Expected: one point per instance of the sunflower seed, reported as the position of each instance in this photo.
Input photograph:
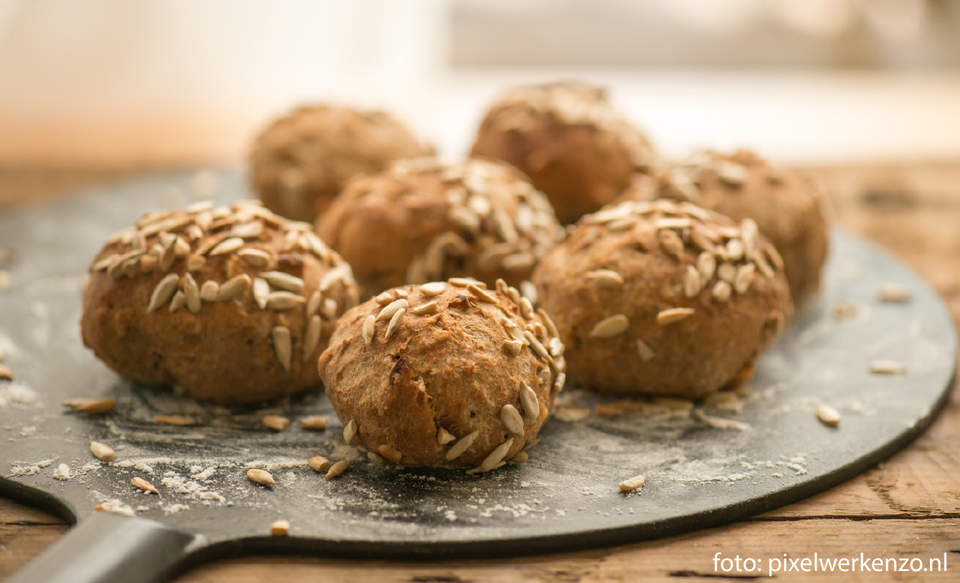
(179, 299)
(195, 262)
(274, 422)
(482, 294)
(529, 291)
(256, 258)
(734, 250)
(163, 292)
(228, 245)
(692, 283)
(433, 288)
(191, 293)
(461, 445)
(727, 272)
(671, 243)
(520, 458)
(262, 477)
(548, 322)
(368, 327)
(706, 265)
(731, 173)
(144, 485)
(513, 347)
(644, 351)
(774, 256)
(828, 415)
(610, 327)
(526, 308)
(340, 273)
(283, 300)
(633, 484)
(318, 463)
(282, 346)
(329, 309)
(147, 263)
(312, 337)
(102, 451)
(384, 298)
(891, 292)
(284, 281)
(5, 373)
(887, 367)
(530, 403)
(671, 315)
(180, 247)
(337, 469)
(279, 527)
(427, 308)
(444, 437)
(314, 423)
(463, 281)
(748, 233)
(496, 456)
(350, 431)
(741, 283)
(209, 291)
(721, 291)
(391, 453)
(605, 277)
(390, 309)
(511, 419)
(234, 288)
(672, 223)
(250, 230)
(261, 292)
(537, 346)
(313, 304)
(560, 381)
(393, 323)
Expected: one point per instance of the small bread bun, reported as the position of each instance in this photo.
(788, 207)
(444, 374)
(663, 298)
(423, 220)
(301, 161)
(569, 140)
(230, 304)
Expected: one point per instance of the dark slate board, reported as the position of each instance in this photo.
(566, 496)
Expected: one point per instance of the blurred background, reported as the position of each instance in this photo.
(100, 83)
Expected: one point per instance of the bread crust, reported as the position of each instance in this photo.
(569, 140)
(212, 339)
(444, 367)
(300, 162)
(651, 297)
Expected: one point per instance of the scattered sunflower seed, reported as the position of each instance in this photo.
(349, 432)
(262, 477)
(144, 485)
(102, 451)
(461, 445)
(391, 453)
(5, 373)
(314, 423)
(318, 463)
(178, 420)
(92, 406)
(633, 484)
(828, 415)
(671, 315)
(275, 422)
(892, 292)
(887, 367)
(368, 328)
(280, 527)
(610, 327)
(337, 469)
(520, 458)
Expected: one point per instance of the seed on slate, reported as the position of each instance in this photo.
(318, 463)
(496, 456)
(209, 291)
(610, 327)
(144, 485)
(261, 292)
(191, 293)
(163, 291)
(275, 422)
(102, 451)
(391, 453)
(368, 327)
(91, 406)
(530, 403)
(234, 287)
(671, 315)
(828, 415)
(5, 373)
(721, 291)
(314, 423)
(433, 288)
(262, 477)
(633, 484)
(284, 281)
(444, 437)
(511, 419)
(349, 431)
(741, 283)
(228, 245)
(195, 262)
(393, 323)
(520, 458)
(312, 337)
(279, 527)
(282, 345)
(256, 258)
(427, 308)
(706, 265)
(891, 292)
(692, 283)
(178, 420)
(283, 300)
(887, 367)
(337, 469)
(461, 445)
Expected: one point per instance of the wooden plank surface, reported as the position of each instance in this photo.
(907, 507)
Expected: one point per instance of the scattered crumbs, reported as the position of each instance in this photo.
(174, 508)
(191, 488)
(29, 469)
(777, 475)
(524, 484)
(844, 310)
(632, 484)
(18, 393)
(62, 472)
(142, 467)
(276, 464)
(450, 515)
(570, 413)
(720, 422)
(115, 506)
(894, 292)
(203, 475)
(4, 279)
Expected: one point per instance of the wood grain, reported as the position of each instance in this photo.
(908, 506)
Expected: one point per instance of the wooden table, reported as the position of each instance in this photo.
(907, 507)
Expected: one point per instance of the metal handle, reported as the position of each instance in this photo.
(109, 548)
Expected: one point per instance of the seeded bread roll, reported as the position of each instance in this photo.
(569, 140)
(788, 207)
(444, 374)
(301, 161)
(422, 220)
(663, 298)
(232, 305)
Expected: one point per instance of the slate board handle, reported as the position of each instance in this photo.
(109, 548)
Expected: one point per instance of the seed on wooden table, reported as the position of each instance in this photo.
(633, 484)
(530, 403)
(671, 315)
(368, 328)
(318, 463)
(887, 367)
(144, 485)
(163, 291)
(511, 419)
(209, 291)
(337, 469)
(741, 283)
(496, 456)
(261, 477)
(692, 283)
(462, 444)
(178, 420)
(312, 337)
(228, 245)
(828, 415)
(234, 287)
(391, 453)
(280, 527)
(349, 431)
(433, 288)
(721, 291)
(644, 351)
(275, 422)
(444, 437)
(610, 327)
(891, 292)
(282, 345)
(284, 281)
(91, 406)
(5, 373)
(314, 423)
(102, 451)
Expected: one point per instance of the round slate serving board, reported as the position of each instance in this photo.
(705, 464)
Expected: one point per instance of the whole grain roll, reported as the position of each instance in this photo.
(301, 161)
(788, 207)
(661, 297)
(571, 142)
(424, 220)
(444, 374)
(230, 304)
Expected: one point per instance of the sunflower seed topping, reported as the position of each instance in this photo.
(828, 415)
(228, 245)
(692, 282)
(461, 445)
(433, 288)
(721, 291)
(262, 477)
(513, 347)
(425, 308)
(234, 288)
(391, 453)
(283, 300)
(250, 230)
(390, 309)
(530, 403)
(605, 277)
(194, 262)
(706, 265)
(163, 292)
(633, 484)
(727, 272)
(284, 281)
(744, 277)
(349, 432)
(511, 419)
(610, 327)
(102, 451)
(282, 346)
(392, 325)
(256, 258)
(444, 437)
(368, 327)
(496, 456)
(261, 292)
(671, 315)
(312, 337)
(191, 293)
(482, 294)
(178, 301)
(462, 281)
